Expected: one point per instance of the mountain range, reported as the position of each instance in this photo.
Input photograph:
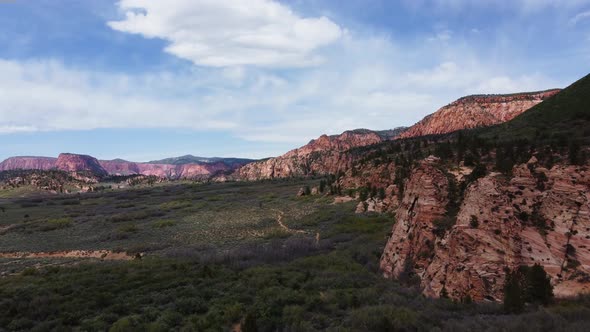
(319, 156)
(171, 168)
(482, 186)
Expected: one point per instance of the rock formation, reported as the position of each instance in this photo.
(69, 162)
(40, 163)
(81, 163)
(477, 111)
(320, 156)
(539, 216)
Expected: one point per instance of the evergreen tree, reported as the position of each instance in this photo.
(513, 301)
(574, 153)
(539, 289)
(381, 193)
(250, 323)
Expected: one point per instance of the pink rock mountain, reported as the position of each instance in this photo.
(79, 163)
(82, 163)
(322, 155)
(477, 111)
(325, 154)
(498, 227)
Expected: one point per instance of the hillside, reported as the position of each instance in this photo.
(477, 111)
(566, 114)
(187, 167)
(323, 155)
(190, 159)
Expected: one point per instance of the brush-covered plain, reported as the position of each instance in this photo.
(217, 258)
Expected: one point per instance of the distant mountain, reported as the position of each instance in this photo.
(477, 111)
(28, 162)
(171, 168)
(391, 133)
(320, 156)
(70, 162)
(190, 159)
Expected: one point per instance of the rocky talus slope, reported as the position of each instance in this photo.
(477, 111)
(538, 216)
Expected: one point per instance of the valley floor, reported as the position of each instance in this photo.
(215, 257)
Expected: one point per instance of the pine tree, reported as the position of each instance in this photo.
(513, 299)
(250, 323)
(539, 289)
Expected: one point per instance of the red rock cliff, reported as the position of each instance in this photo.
(322, 155)
(79, 163)
(476, 111)
(501, 224)
(14, 163)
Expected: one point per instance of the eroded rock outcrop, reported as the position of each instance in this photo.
(39, 163)
(320, 156)
(82, 163)
(538, 216)
(69, 162)
(477, 111)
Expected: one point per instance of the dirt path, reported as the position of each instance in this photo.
(285, 227)
(106, 255)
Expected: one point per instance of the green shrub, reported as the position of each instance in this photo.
(164, 223)
(53, 224)
(131, 228)
(277, 233)
(175, 205)
(473, 222)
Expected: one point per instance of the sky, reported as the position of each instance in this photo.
(148, 79)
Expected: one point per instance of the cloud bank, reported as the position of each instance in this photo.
(230, 33)
(258, 72)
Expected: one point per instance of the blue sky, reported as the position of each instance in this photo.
(147, 79)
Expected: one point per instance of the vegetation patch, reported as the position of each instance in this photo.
(59, 223)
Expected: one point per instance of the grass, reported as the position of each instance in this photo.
(53, 224)
(293, 283)
(169, 217)
(164, 223)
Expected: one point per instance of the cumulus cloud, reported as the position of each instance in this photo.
(230, 33)
(368, 80)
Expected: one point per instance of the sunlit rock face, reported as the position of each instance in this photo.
(538, 216)
(40, 163)
(320, 156)
(476, 111)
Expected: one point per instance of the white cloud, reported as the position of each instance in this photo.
(45, 95)
(580, 17)
(230, 33)
(367, 81)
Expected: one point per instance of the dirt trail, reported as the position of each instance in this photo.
(285, 227)
(93, 254)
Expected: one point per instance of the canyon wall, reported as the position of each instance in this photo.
(538, 216)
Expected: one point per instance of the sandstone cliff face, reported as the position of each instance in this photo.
(120, 167)
(539, 216)
(82, 163)
(412, 239)
(476, 111)
(69, 162)
(40, 163)
(187, 171)
(321, 156)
